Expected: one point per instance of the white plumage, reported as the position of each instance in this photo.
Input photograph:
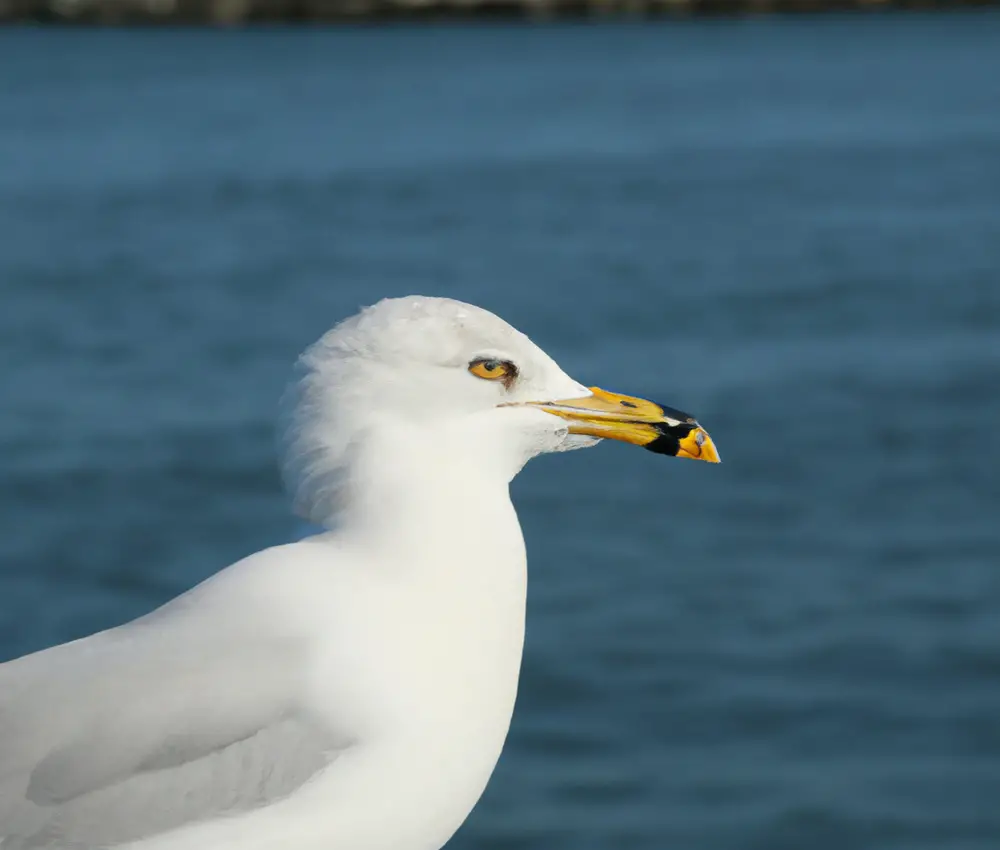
(351, 691)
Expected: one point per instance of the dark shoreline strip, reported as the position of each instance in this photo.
(229, 12)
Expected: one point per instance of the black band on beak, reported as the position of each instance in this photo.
(668, 441)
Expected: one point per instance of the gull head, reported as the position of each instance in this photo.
(444, 378)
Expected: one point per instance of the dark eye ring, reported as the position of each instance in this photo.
(492, 369)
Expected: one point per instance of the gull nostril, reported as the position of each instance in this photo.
(628, 404)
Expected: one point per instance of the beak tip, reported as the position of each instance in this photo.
(697, 445)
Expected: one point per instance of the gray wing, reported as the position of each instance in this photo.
(168, 720)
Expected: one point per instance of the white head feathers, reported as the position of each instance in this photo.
(405, 363)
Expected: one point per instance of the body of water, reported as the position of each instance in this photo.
(790, 227)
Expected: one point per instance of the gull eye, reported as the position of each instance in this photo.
(491, 369)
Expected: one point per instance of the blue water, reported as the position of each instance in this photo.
(789, 227)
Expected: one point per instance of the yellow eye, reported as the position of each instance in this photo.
(492, 370)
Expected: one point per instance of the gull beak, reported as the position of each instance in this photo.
(634, 420)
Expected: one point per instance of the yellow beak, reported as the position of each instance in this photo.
(634, 420)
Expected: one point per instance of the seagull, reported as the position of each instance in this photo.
(352, 690)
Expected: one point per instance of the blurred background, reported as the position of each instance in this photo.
(788, 225)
